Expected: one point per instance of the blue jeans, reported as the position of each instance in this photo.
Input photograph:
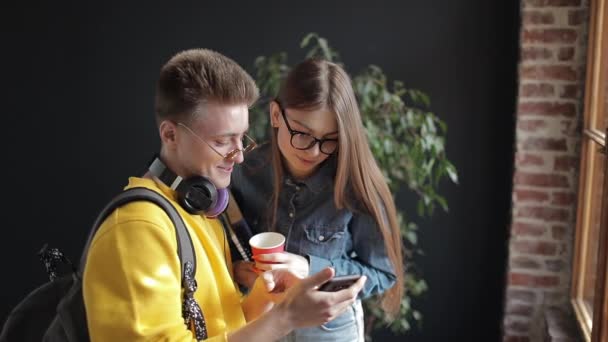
(347, 327)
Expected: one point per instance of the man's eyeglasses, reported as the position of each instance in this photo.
(304, 141)
(246, 141)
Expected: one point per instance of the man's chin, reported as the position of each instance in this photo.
(222, 183)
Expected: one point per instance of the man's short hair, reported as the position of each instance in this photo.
(196, 76)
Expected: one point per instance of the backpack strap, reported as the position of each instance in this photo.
(185, 249)
(191, 311)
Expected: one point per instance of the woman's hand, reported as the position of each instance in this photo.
(245, 273)
(296, 264)
(272, 285)
(267, 290)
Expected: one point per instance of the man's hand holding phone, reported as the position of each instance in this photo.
(304, 305)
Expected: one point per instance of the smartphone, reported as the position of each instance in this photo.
(339, 283)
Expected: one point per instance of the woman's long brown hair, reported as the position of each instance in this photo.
(318, 84)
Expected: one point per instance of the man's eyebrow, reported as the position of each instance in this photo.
(308, 128)
(229, 134)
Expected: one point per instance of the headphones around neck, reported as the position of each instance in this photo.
(197, 195)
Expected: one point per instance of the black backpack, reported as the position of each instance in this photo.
(55, 311)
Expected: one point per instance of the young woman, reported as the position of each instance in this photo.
(318, 184)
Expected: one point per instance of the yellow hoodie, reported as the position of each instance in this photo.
(132, 279)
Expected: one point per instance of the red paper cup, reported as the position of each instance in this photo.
(266, 243)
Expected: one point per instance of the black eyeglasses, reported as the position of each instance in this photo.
(304, 141)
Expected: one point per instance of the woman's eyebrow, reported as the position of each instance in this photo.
(308, 128)
(331, 133)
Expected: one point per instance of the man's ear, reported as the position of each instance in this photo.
(275, 114)
(168, 133)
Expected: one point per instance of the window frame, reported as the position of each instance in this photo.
(594, 324)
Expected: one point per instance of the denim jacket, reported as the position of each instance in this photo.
(350, 242)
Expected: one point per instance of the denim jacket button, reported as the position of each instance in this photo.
(291, 215)
(321, 237)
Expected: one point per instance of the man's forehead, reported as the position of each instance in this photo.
(219, 118)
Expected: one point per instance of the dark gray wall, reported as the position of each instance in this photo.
(77, 111)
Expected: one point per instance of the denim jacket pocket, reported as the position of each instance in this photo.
(323, 241)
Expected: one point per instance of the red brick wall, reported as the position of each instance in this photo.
(553, 43)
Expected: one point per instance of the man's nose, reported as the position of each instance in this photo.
(239, 157)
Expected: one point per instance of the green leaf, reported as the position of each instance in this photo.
(451, 170)
(442, 202)
(323, 45)
(430, 124)
(420, 208)
(306, 40)
(425, 99)
(412, 237)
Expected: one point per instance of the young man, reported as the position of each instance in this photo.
(132, 280)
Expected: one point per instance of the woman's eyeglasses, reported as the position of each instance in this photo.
(304, 141)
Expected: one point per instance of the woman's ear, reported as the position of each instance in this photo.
(275, 114)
